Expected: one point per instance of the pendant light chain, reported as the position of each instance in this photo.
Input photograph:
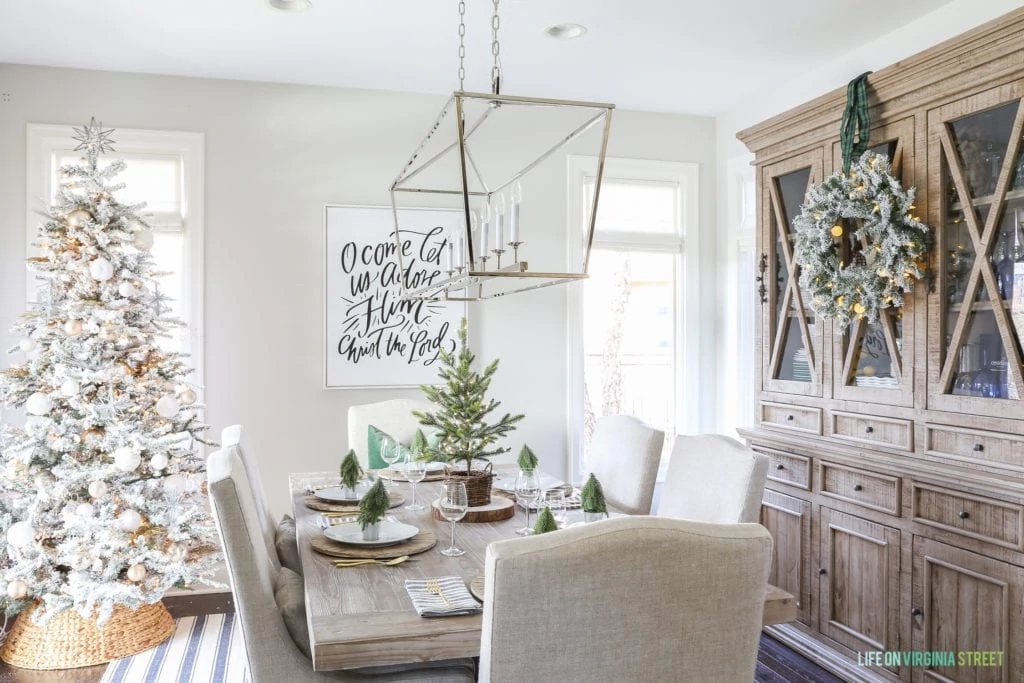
(462, 44)
(496, 51)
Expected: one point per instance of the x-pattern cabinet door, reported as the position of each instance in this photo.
(791, 340)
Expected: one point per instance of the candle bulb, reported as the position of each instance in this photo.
(499, 221)
(449, 256)
(485, 227)
(513, 227)
(460, 259)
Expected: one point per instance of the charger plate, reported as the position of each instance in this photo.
(314, 503)
(421, 542)
(476, 587)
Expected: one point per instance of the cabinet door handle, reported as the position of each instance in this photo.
(858, 487)
(822, 572)
(916, 612)
(964, 514)
(789, 418)
(869, 429)
(979, 447)
(780, 466)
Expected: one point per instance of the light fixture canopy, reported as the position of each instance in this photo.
(566, 31)
(481, 147)
(291, 5)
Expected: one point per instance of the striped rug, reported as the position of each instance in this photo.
(203, 649)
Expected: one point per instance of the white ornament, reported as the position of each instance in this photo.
(158, 461)
(101, 270)
(187, 397)
(38, 404)
(27, 345)
(143, 239)
(174, 485)
(21, 535)
(78, 218)
(125, 289)
(177, 553)
(17, 589)
(126, 459)
(129, 520)
(167, 406)
(136, 572)
(73, 327)
(84, 511)
(70, 388)
(98, 489)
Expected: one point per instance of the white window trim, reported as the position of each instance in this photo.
(46, 140)
(687, 301)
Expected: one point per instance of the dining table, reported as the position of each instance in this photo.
(362, 616)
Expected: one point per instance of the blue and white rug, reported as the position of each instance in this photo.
(204, 649)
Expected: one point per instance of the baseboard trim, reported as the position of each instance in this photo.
(825, 657)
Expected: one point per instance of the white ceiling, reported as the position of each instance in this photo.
(661, 55)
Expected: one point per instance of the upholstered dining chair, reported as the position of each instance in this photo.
(713, 478)
(624, 455)
(626, 599)
(269, 602)
(279, 537)
(393, 417)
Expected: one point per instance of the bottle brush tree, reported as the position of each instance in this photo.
(527, 459)
(592, 496)
(350, 470)
(545, 522)
(374, 505)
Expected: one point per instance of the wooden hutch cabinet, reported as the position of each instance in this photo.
(896, 484)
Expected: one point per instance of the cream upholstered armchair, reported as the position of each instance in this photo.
(269, 603)
(624, 455)
(713, 478)
(394, 417)
(626, 599)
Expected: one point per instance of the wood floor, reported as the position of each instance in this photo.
(775, 662)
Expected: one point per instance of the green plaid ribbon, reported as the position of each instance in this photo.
(856, 121)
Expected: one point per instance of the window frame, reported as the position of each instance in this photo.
(45, 142)
(685, 244)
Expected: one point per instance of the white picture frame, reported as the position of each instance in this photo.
(372, 339)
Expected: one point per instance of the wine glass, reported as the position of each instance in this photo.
(415, 471)
(527, 491)
(389, 452)
(453, 504)
(554, 500)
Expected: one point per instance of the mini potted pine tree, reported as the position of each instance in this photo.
(592, 500)
(545, 522)
(372, 508)
(461, 420)
(350, 472)
(527, 459)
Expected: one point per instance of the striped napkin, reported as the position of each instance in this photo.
(429, 604)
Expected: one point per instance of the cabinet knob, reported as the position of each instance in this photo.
(916, 611)
(780, 466)
(789, 418)
(964, 514)
(869, 429)
(979, 447)
(858, 487)
(822, 572)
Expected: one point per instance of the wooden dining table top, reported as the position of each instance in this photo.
(362, 616)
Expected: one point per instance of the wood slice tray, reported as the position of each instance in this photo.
(421, 542)
(439, 475)
(499, 510)
(314, 503)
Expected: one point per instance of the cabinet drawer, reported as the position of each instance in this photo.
(983, 518)
(884, 431)
(788, 468)
(975, 445)
(791, 418)
(876, 491)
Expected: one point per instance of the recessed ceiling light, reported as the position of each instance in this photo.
(290, 5)
(565, 31)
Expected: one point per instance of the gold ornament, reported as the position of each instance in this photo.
(837, 231)
(187, 397)
(17, 589)
(78, 218)
(136, 572)
(92, 435)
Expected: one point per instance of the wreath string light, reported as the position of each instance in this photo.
(867, 216)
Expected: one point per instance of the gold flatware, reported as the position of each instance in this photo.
(358, 563)
(435, 588)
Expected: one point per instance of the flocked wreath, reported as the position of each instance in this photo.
(872, 204)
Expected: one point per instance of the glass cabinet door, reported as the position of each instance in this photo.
(978, 307)
(869, 358)
(790, 338)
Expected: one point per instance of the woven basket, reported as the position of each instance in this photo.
(478, 484)
(68, 641)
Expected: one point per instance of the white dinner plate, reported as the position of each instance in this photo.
(336, 494)
(352, 534)
(508, 482)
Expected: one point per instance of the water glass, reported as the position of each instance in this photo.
(555, 501)
(389, 452)
(415, 471)
(527, 492)
(453, 504)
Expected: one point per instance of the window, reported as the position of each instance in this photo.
(164, 169)
(628, 322)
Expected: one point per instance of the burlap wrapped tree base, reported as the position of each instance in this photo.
(68, 641)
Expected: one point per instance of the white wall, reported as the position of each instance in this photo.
(898, 43)
(274, 155)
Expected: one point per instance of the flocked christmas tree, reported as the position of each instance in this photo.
(461, 419)
(103, 482)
